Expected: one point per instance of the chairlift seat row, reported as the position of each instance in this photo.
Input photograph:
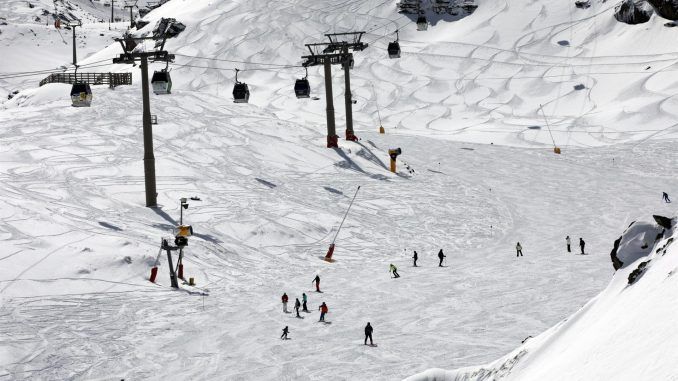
(81, 94)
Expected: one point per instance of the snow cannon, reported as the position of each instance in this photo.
(393, 153)
(330, 251)
(184, 230)
(154, 273)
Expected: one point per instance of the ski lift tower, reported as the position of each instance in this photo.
(338, 51)
(131, 5)
(73, 25)
(130, 56)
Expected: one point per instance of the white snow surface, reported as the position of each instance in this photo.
(622, 334)
(75, 301)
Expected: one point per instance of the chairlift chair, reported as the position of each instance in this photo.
(422, 23)
(161, 82)
(241, 93)
(302, 89)
(81, 94)
(394, 48)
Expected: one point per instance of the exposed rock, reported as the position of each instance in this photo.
(582, 4)
(667, 9)
(168, 28)
(633, 244)
(616, 263)
(662, 221)
(633, 12)
(141, 24)
(638, 272)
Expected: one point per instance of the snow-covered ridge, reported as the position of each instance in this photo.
(627, 332)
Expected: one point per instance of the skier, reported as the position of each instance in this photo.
(519, 250)
(415, 257)
(582, 244)
(567, 240)
(368, 333)
(666, 197)
(394, 270)
(317, 283)
(284, 300)
(441, 256)
(297, 304)
(285, 332)
(323, 310)
(304, 299)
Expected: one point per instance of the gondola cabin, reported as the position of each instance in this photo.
(422, 23)
(302, 89)
(161, 82)
(241, 93)
(81, 94)
(393, 49)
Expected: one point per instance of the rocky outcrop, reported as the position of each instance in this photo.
(633, 12)
(667, 9)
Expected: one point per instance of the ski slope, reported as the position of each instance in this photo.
(75, 299)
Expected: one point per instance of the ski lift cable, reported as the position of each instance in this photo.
(233, 61)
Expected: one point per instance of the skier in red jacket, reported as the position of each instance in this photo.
(323, 310)
(284, 301)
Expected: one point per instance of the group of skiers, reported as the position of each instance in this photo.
(322, 308)
(394, 270)
(582, 244)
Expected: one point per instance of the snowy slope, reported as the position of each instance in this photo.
(75, 300)
(625, 333)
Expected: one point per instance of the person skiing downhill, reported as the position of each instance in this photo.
(567, 240)
(415, 257)
(285, 332)
(284, 302)
(441, 256)
(297, 304)
(519, 250)
(304, 298)
(581, 245)
(394, 270)
(368, 333)
(323, 310)
(317, 283)
(665, 196)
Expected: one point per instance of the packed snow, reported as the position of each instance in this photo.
(476, 176)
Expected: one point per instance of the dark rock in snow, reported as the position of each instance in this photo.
(616, 263)
(141, 24)
(635, 274)
(662, 221)
(633, 12)
(168, 28)
(579, 87)
(582, 4)
(667, 9)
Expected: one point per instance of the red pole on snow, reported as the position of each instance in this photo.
(330, 251)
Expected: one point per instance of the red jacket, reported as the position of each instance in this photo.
(323, 308)
(284, 298)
